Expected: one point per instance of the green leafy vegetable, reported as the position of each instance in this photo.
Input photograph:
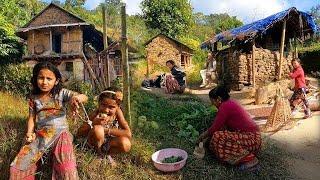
(172, 159)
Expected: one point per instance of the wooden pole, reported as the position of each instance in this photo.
(104, 19)
(68, 39)
(282, 48)
(105, 44)
(125, 65)
(50, 40)
(253, 63)
(295, 46)
(33, 42)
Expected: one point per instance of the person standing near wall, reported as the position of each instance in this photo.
(206, 74)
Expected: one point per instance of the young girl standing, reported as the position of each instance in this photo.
(47, 127)
(111, 133)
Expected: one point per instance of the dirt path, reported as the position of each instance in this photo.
(303, 141)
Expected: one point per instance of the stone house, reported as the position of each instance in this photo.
(161, 48)
(260, 52)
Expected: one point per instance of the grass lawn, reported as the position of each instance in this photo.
(157, 123)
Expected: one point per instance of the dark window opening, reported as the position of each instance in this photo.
(56, 43)
(69, 66)
(183, 61)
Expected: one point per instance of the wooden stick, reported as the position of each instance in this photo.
(125, 65)
(105, 45)
(253, 63)
(91, 73)
(33, 42)
(282, 47)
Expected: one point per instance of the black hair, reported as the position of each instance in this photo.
(296, 59)
(45, 65)
(110, 95)
(220, 91)
(171, 62)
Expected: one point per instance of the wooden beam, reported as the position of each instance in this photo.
(50, 37)
(282, 48)
(125, 65)
(32, 51)
(68, 40)
(253, 63)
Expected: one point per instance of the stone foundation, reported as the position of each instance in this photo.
(235, 67)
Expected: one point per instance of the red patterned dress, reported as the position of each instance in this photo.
(235, 138)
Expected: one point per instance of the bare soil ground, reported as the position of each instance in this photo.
(303, 141)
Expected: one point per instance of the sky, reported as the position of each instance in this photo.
(245, 10)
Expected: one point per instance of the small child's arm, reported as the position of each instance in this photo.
(79, 98)
(125, 131)
(30, 136)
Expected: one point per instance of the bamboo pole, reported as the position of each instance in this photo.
(125, 65)
(253, 63)
(105, 45)
(282, 48)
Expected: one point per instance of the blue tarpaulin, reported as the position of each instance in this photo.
(260, 27)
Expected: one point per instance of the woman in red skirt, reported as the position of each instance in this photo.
(233, 136)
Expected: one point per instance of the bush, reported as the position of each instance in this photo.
(16, 78)
(84, 88)
(198, 61)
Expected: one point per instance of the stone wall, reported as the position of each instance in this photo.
(161, 49)
(235, 68)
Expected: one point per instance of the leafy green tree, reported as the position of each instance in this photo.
(74, 3)
(17, 12)
(171, 17)
(10, 48)
(223, 22)
(315, 12)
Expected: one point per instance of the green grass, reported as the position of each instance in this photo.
(146, 140)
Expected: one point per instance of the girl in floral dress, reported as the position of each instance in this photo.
(47, 127)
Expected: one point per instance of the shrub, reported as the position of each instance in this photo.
(84, 88)
(15, 78)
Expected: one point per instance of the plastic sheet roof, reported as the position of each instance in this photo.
(250, 31)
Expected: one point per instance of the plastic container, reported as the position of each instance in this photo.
(158, 156)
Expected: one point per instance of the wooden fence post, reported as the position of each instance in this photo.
(282, 48)
(125, 65)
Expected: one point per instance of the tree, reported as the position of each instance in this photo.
(171, 17)
(10, 49)
(223, 22)
(315, 12)
(74, 3)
